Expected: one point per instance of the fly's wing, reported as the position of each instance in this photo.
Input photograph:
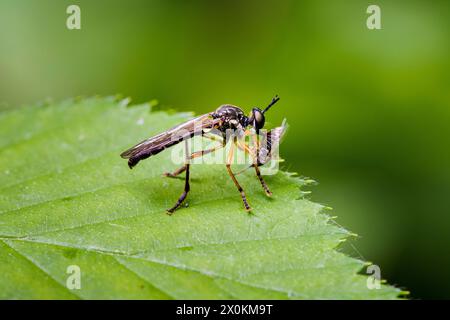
(270, 143)
(171, 137)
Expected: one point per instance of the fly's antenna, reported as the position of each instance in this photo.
(274, 100)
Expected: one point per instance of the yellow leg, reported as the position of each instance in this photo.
(238, 186)
(192, 156)
(246, 149)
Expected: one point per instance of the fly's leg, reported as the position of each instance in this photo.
(176, 172)
(214, 137)
(244, 147)
(261, 180)
(241, 191)
(186, 182)
(195, 155)
(186, 168)
(183, 195)
(201, 153)
(255, 165)
(238, 186)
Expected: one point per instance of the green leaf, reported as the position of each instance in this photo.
(67, 198)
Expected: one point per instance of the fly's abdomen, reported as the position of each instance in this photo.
(134, 160)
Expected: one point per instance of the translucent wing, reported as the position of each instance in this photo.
(270, 143)
(268, 147)
(169, 138)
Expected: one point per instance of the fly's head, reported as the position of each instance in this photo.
(233, 117)
(257, 119)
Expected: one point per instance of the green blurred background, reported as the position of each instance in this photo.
(369, 110)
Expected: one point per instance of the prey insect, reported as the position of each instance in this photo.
(216, 126)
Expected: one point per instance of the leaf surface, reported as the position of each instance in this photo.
(67, 198)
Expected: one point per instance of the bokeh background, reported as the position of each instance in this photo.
(369, 110)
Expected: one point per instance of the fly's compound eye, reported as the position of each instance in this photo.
(257, 118)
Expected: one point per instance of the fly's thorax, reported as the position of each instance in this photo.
(232, 117)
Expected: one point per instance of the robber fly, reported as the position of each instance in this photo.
(226, 117)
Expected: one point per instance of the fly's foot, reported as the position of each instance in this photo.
(175, 173)
(244, 200)
(172, 176)
(169, 175)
